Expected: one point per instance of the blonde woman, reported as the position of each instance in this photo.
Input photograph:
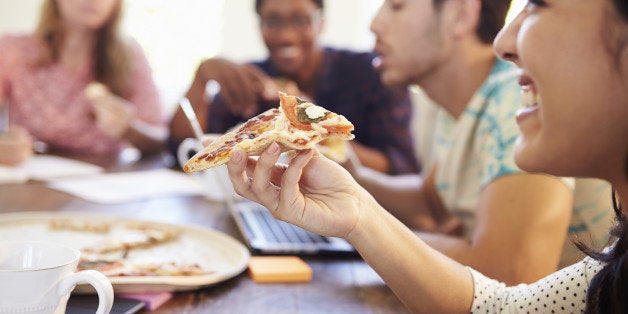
(77, 85)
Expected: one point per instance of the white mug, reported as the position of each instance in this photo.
(37, 277)
(216, 180)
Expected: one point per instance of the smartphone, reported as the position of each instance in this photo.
(87, 304)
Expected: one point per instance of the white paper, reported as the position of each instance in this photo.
(10, 175)
(130, 186)
(46, 167)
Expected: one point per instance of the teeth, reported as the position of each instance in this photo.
(529, 97)
(288, 52)
(377, 61)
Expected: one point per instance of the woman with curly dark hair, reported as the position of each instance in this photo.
(573, 61)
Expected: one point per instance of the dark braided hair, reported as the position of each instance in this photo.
(608, 291)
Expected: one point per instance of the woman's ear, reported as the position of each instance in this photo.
(461, 16)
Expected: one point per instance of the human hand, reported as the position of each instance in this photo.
(352, 162)
(16, 146)
(242, 86)
(113, 114)
(312, 192)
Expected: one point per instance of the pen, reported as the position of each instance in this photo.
(186, 106)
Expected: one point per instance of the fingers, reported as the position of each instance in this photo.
(242, 89)
(16, 146)
(292, 175)
(261, 185)
(236, 167)
(268, 180)
(113, 115)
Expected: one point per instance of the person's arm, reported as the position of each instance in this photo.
(180, 127)
(241, 88)
(407, 197)
(370, 157)
(333, 204)
(16, 146)
(137, 117)
(389, 135)
(521, 226)
(119, 119)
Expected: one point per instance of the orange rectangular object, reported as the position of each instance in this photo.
(278, 269)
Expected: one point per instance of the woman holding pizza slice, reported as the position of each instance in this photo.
(560, 134)
(77, 85)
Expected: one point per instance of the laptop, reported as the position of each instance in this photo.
(266, 235)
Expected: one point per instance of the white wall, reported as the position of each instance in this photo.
(18, 15)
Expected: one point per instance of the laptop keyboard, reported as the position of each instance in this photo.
(278, 231)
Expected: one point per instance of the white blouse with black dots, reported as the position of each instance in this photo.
(564, 291)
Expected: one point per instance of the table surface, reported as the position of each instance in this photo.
(339, 285)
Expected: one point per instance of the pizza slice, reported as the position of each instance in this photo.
(123, 267)
(335, 149)
(296, 124)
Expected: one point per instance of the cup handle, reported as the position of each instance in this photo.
(188, 145)
(97, 280)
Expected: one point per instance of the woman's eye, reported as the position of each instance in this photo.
(537, 3)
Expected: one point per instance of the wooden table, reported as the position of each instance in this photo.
(339, 285)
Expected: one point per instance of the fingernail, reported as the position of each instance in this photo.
(274, 148)
(236, 157)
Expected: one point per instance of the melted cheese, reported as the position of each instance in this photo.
(314, 112)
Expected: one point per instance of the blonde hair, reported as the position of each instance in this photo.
(111, 54)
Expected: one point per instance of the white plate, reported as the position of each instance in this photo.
(223, 255)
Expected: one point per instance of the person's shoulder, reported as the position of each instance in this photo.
(265, 65)
(133, 46)
(19, 41)
(351, 66)
(20, 49)
(342, 55)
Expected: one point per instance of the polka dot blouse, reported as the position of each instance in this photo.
(561, 292)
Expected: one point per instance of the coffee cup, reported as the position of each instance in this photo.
(37, 277)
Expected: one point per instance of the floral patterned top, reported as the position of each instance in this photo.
(49, 100)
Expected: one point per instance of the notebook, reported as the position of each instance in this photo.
(268, 236)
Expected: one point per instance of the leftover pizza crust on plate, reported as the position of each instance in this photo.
(136, 255)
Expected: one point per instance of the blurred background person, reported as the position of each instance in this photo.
(77, 85)
(480, 208)
(339, 80)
